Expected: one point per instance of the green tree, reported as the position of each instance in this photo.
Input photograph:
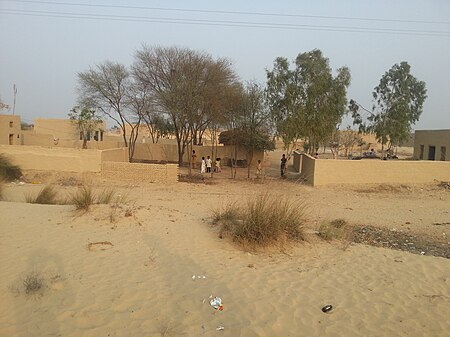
(398, 104)
(307, 102)
(252, 124)
(86, 122)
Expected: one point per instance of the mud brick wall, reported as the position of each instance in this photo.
(140, 173)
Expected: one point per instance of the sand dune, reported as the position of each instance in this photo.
(107, 274)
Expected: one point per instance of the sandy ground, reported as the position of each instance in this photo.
(128, 270)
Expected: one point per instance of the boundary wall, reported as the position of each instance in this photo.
(140, 173)
(113, 164)
(53, 159)
(322, 172)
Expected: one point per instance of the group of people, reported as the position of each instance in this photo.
(206, 165)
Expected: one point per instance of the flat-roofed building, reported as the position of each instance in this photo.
(432, 145)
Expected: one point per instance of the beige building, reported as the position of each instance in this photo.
(10, 130)
(432, 145)
(65, 129)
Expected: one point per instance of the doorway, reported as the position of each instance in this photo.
(431, 152)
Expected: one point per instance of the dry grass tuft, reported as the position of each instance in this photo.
(83, 198)
(337, 229)
(46, 196)
(106, 196)
(33, 282)
(2, 188)
(262, 221)
(8, 171)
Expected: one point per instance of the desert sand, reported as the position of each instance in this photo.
(148, 267)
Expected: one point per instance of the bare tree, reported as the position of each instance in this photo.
(107, 88)
(183, 83)
(3, 105)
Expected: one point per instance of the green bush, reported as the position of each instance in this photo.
(8, 171)
(262, 221)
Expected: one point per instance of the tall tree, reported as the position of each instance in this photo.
(182, 82)
(107, 88)
(398, 104)
(307, 102)
(252, 124)
(86, 121)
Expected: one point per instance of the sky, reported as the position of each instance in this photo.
(44, 44)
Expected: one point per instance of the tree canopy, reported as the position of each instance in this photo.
(398, 104)
(308, 101)
(86, 120)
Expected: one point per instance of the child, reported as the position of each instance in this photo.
(203, 166)
(208, 164)
(217, 168)
(258, 169)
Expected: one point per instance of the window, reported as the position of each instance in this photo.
(11, 124)
(88, 136)
(443, 152)
(101, 136)
(421, 152)
(96, 135)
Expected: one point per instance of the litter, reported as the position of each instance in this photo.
(198, 276)
(327, 308)
(216, 303)
(220, 328)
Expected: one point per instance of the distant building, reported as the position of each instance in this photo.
(65, 129)
(10, 130)
(432, 145)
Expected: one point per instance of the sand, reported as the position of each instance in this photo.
(128, 270)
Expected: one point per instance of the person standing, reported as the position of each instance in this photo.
(194, 159)
(283, 165)
(258, 169)
(203, 166)
(208, 164)
(218, 168)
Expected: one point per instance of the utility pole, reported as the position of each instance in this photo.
(14, 102)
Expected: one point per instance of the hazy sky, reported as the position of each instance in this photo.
(42, 54)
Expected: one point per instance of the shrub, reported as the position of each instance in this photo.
(32, 283)
(262, 221)
(2, 188)
(46, 196)
(8, 171)
(106, 196)
(83, 198)
(337, 229)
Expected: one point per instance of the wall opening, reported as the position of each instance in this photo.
(443, 152)
(431, 152)
(11, 139)
(11, 124)
(421, 152)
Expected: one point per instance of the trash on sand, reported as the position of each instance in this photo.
(219, 328)
(422, 253)
(327, 308)
(198, 276)
(216, 303)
